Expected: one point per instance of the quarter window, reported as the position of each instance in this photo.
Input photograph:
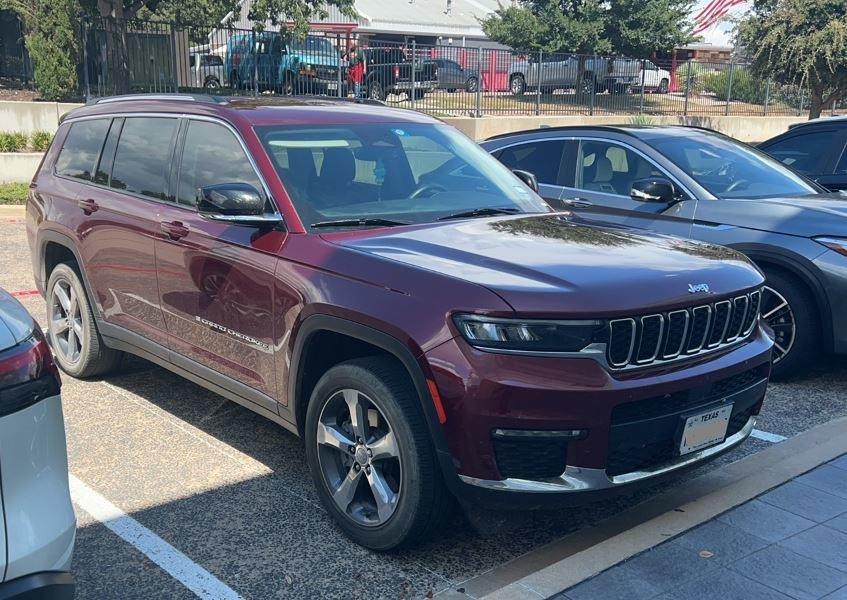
(79, 153)
(542, 159)
(142, 160)
(841, 169)
(211, 155)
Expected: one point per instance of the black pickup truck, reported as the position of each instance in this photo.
(389, 71)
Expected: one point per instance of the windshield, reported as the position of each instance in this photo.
(728, 170)
(313, 45)
(411, 173)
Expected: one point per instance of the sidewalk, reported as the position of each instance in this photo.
(790, 542)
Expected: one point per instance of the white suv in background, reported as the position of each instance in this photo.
(37, 523)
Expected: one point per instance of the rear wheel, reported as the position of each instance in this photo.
(472, 85)
(517, 85)
(788, 309)
(376, 91)
(370, 454)
(71, 328)
(664, 86)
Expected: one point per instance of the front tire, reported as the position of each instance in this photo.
(376, 91)
(371, 457)
(664, 86)
(71, 329)
(472, 85)
(789, 309)
(517, 85)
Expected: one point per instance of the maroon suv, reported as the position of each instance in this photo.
(373, 281)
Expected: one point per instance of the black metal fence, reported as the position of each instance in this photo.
(443, 80)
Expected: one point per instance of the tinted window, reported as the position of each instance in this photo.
(143, 157)
(543, 159)
(411, 172)
(802, 152)
(81, 149)
(104, 168)
(211, 155)
(841, 169)
(609, 168)
(211, 60)
(728, 169)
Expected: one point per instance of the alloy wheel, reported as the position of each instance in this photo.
(359, 458)
(66, 328)
(777, 313)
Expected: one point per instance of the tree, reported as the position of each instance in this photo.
(800, 42)
(52, 38)
(631, 27)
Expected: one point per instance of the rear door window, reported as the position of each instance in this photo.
(79, 154)
(542, 159)
(143, 157)
(211, 155)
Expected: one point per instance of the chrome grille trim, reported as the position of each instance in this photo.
(738, 309)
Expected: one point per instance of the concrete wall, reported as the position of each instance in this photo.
(18, 167)
(746, 129)
(32, 116)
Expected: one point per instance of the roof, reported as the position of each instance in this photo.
(628, 129)
(821, 121)
(410, 17)
(255, 111)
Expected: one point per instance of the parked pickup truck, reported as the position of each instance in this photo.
(562, 71)
(271, 62)
(389, 71)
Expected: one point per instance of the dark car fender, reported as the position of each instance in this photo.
(323, 322)
(802, 268)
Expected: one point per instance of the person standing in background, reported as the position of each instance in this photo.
(356, 69)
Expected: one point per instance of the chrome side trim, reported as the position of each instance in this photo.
(578, 479)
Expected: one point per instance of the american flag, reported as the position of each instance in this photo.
(712, 13)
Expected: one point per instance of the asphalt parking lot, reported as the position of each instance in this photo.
(218, 502)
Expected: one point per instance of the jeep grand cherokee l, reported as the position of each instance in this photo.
(375, 282)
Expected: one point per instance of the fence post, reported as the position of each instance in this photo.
(255, 82)
(414, 93)
(767, 97)
(479, 82)
(800, 104)
(593, 84)
(538, 84)
(175, 65)
(687, 89)
(729, 86)
(84, 27)
(643, 81)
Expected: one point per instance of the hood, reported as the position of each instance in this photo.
(553, 264)
(16, 324)
(805, 216)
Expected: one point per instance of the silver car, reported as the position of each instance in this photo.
(37, 523)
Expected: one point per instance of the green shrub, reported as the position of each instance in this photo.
(641, 120)
(745, 86)
(13, 193)
(12, 142)
(40, 141)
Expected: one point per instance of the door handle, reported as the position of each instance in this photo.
(88, 206)
(174, 230)
(578, 203)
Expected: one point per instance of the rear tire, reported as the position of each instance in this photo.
(796, 326)
(664, 86)
(472, 85)
(517, 85)
(410, 476)
(376, 91)
(71, 328)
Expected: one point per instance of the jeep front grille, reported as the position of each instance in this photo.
(654, 338)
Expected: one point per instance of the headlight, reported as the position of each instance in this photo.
(530, 335)
(837, 244)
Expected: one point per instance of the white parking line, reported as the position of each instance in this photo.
(178, 565)
(773, 438)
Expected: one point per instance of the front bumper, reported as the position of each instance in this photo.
(51, 585)
(628, 421)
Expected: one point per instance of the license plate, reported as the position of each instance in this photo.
(332, 86)
(704, 429)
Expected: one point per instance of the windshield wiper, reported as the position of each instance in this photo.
(360, 223)
(486, 211)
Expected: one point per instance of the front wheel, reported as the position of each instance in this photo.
(376, 91)
(472, 85)
(371, 457)
(664, 86)
(71, 329)
(789, 310)
(517, 85)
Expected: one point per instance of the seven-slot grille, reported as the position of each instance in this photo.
(639, 341)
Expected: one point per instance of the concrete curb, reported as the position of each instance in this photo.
(16, 211)
(581, 555)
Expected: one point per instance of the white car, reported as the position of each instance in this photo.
(37, 523)
(655, 79)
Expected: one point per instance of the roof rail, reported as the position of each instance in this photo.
(177, 97)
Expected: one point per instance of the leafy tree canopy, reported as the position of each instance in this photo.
(632, 27)
(801, 42)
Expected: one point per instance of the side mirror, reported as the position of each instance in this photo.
(528, 178)
(653, 190)
(237, 203)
